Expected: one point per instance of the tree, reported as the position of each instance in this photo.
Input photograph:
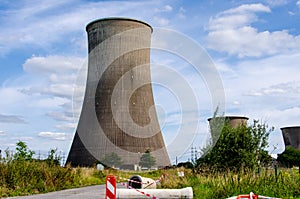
(147, 160)
(22, 152)
(53, 158)
(187, 165)
(242, 146)
(290, 157)
(112, 160)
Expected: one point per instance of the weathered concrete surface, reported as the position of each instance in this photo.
(291, 136)
(234, 121)
(91, 192)
(118, 113)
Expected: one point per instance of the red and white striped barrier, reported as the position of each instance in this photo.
(133, 193)
(251, 196)
(147, 194)
(111, 187)
(140, 191)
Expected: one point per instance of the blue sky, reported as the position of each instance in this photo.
(255, 46)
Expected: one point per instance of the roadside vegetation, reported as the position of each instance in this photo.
(21, 174)
(209, 185)
(33, 177)
(25, 178)
(237, 164)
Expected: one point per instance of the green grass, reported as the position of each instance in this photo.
(33, 177)
(222, 185)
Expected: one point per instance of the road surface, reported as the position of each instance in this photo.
(91, 192)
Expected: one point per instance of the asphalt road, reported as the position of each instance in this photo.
(91, 192)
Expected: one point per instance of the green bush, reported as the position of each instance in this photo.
(20, 177)
(290, 157)
(237, 147)
(23, 175)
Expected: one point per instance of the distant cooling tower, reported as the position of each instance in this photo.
(291, 136)
(118, 118)
(234, 121)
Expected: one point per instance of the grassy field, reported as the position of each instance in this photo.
(30, 177)
(286, 184)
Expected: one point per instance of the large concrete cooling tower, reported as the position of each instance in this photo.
(291, 136)
(118, 118)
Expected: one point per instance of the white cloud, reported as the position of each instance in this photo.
(225, 69)
(8, 145)
(49, 102)
(231, 32)
(36, 28)
(2, 133)
(55, 75)
(291, 13)
(254, 93)
(176, 118)
(160, 21)
(298, 4)
(47, 87)
(52, 64)
(24, 138)
(11, 119)
(285, 117)
(166, 8)
(247, 8)
(236, 102)
(67, 126)
(277, 2)
(181, 13)
(65, 86)
(278, 89)
(66, 116)
(271, 82)
(53, 135)
(12, 97)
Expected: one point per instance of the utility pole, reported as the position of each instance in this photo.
(192, 154)
(196, 157)
(63, 158)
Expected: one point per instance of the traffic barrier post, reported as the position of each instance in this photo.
(111, 187)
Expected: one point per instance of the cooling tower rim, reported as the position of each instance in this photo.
(231, 117)
(119, 19)
(290, 127)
